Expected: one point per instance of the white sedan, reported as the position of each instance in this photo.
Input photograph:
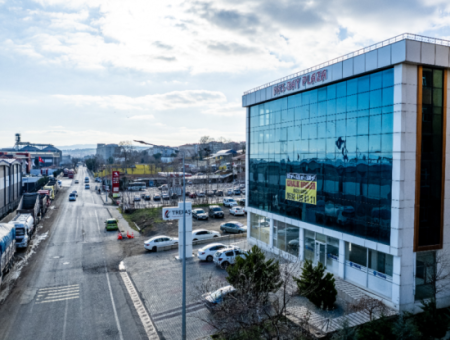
(237, 211)
(203, 234)
(207, 252)
(160, 241)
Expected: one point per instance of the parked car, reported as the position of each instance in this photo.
(163, 187)
(143, 195)
(203, 234)
(188, 193)
(236, 211)
(207, 252)
(237, 191)
(230, 192)
(233, 227)
(242, 202)
(229, 202)
(137, 198)
(165, 196)
(111, 224)
(77, 181)
(157, 197)
(201, 194)
(226, 257)
(212, 300)
(193, 195)
(199, 214)
(160, 241)
(189, 182)
(219, 193)
(210, 193)
(215, 211)
(242, 186)
(174, 196)
(72, 197)
(147, 197)
(87, 186)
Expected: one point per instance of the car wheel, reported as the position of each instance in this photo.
(195, 239)
(225, 265)
(215, 236)
(209, 258)
(154, 249)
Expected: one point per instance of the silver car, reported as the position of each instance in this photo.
(233, 227)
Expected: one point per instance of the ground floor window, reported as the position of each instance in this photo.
(260, 227)
(425, 275)
(286, 237)
(369, 268)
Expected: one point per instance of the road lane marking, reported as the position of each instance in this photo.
(61, 293)
(140, 309)
(109, 286)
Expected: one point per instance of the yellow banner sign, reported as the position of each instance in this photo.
(301, 188)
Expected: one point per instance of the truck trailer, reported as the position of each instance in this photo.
(30, 204)
(7, 247)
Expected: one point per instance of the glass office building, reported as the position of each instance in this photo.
(345, 166)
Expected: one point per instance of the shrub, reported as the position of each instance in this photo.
(317, 286)
(433, 323)
(254, 275)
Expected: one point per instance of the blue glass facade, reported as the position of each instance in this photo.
(343, 133)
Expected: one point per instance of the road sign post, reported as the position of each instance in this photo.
(176, 213)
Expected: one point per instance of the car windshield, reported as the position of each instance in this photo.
(217, 209)
(20, 232)
(112, 222)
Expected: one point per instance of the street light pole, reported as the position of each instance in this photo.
(183, 284)
(183, 307)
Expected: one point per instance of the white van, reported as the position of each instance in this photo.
(24, 224)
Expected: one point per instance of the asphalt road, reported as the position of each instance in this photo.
(73, 289)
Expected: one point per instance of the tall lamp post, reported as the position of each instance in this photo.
(183, 299)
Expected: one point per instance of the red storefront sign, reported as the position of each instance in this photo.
(115, 181)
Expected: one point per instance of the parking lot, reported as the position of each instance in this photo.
(128, 197)
(157, 276)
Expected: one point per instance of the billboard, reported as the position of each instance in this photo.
(301, 188)
(115, 176)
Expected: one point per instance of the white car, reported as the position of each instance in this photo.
(203, 234)
(237, 211)
(207, 252)
(229, 202)
(225, 257)
(230, 192)
(137, 198)
(160, 241)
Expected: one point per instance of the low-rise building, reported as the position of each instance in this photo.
(10, 185)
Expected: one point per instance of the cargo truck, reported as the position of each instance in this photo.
(44, 201)
(52, 191)
(24, 224)
(30, 204)
(66, 172)
(71, 173)
(7, 247)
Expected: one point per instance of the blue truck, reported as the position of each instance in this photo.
(7, 247)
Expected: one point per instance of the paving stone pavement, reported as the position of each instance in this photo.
(157, 277)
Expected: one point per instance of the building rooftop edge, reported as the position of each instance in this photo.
(363, 50)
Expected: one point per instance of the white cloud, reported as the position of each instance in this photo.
(227, 110)
(165, 101)
(143, 117)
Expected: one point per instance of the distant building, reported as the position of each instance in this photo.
(107, 150)
(49, 154)
(165, 151)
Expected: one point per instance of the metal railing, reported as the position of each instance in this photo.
(363, 50)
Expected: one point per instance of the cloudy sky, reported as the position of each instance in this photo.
(99, 71)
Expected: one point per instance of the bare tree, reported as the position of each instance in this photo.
(254, 314)
(127, 152)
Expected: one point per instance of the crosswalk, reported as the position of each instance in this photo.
(55, 294)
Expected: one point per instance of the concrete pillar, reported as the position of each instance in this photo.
(341, 258)
(301, 245)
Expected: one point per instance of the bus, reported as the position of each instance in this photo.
(136, 186)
